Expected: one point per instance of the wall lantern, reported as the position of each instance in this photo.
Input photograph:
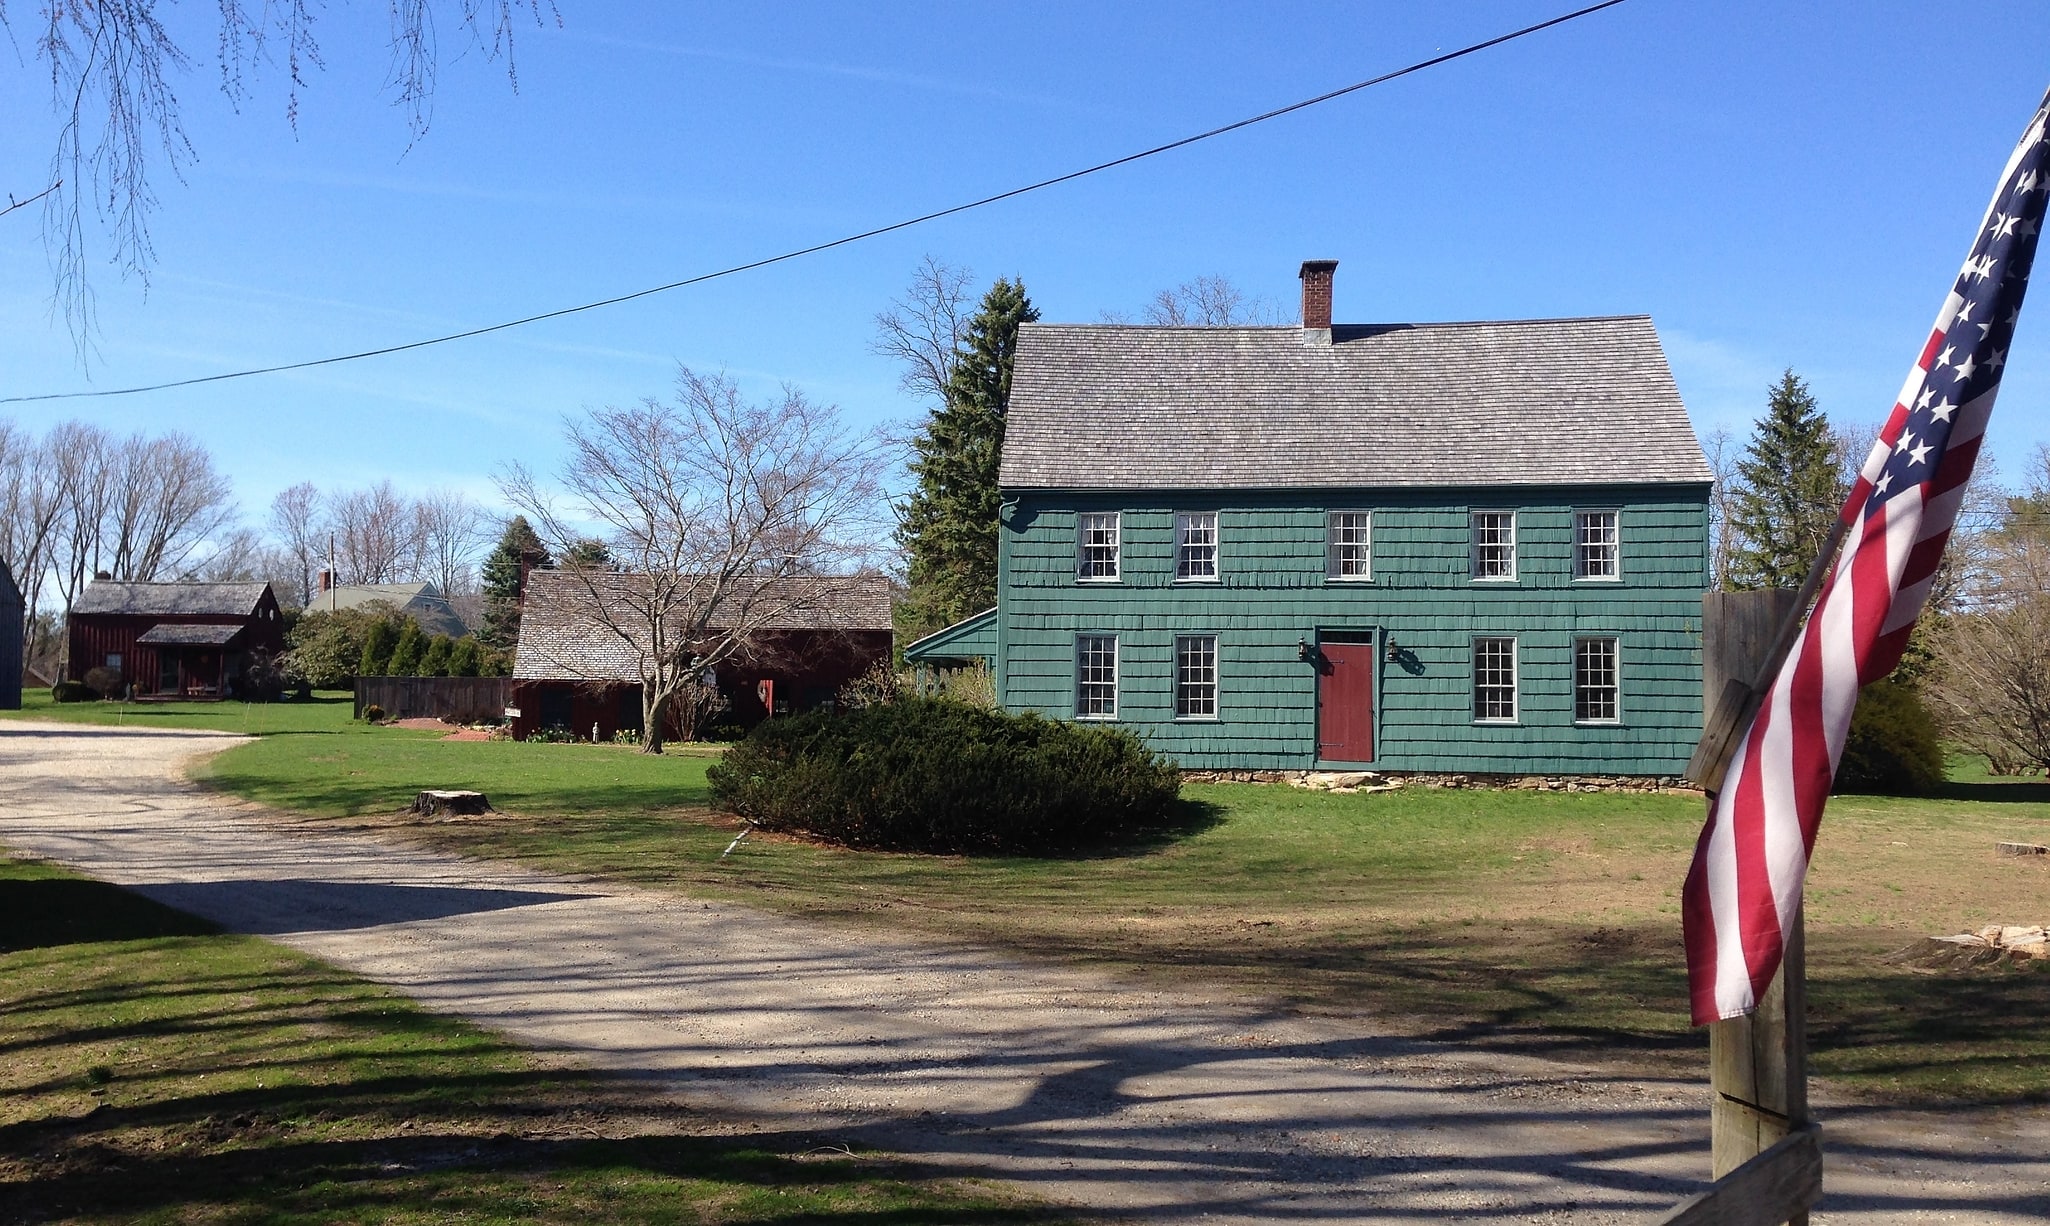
(1393, 650)
(1302, 650)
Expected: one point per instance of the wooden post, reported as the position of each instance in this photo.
(1763, 1153)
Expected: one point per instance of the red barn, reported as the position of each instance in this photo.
(574, 672)
(174, 640)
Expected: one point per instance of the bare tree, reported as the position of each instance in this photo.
(719, 518)
(1721, 449)
(113, 68)
(80, 459)
(449, 527)
(31, 510)
(166, 501)
(923, 329)
(376, 536)
(299, 526)
(1209, 302)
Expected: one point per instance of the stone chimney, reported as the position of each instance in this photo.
(1317, 276)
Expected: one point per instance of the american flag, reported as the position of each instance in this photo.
(1744, 890)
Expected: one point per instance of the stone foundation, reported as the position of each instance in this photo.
(1379, 781)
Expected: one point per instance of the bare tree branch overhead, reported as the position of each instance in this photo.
(922, 329)
(13, 204)
(720, 517)
(114, 70)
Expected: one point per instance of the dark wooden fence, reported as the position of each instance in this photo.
(461, 700)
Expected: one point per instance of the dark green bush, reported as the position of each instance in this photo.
(1892, 747)
(106, 682)
(72, 691)
(933, 775)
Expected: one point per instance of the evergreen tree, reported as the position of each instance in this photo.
(949, 524)
(406, 653)
(378, 640)
(588, 554)
(464, 659)
(434, 661)
(504, 580)
(1790, 493)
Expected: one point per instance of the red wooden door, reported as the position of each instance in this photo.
(1345, 702)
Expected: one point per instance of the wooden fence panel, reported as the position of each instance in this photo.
(460, 700)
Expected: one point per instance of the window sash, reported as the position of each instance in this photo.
(1195, 545)
(1494, 545)
(1349, 545)
(1097, 545)
(1096, 676)
(1195, 676)
(1597, 677)
(1494, 680)
(1597, 551)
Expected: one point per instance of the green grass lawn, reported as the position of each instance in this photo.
(1542, 921)
(329, 711)
(157, 1071)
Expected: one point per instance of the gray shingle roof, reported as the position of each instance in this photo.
(1523, 402)
(204, 634)
(560, 638)
(170, 599)
(422, 600)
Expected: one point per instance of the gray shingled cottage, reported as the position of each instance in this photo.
(1458, 547)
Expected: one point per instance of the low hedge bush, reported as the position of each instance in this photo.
(72, 691)
(1892, 748)
(933, 775)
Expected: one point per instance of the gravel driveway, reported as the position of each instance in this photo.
(1163, 1107)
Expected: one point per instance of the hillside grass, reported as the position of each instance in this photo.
(159, 1071)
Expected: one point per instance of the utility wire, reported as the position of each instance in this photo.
(814, 249)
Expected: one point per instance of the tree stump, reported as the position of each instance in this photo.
(451, 804)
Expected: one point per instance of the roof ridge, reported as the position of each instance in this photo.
(1339, 325)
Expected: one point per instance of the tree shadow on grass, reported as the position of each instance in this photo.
(2002, 792)
(49, 911)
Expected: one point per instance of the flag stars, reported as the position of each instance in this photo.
(1998, 360)
(1907, 441)
(1928, 394)
(1942, 411)
(1965, 369)
(2004, 224)
(1949, 351)
(1919, 453)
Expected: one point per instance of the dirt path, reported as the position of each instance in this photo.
(1157, 1106)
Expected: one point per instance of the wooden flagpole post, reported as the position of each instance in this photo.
(1765, 1157)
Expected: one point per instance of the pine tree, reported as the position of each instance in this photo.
(434, 661)
(378, 642)
(1790, 493)
(504, 580)
(406, 653)
(464, 659)
(949, 524)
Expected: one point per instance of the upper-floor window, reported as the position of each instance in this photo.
(1096, 676)
(1494, 545)
(1195, 536)
(1349, 549)
(1595, 676)
(1596, 545)
(1494, 680)
(1096, 545)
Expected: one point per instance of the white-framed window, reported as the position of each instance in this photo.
(113, 659)
(1096, 546)
(1494, 545)
(1195, 546)
(1595, 680)
(1494, 680)
(1096, 676)
(1349, 545)
(1195, 676)
(1597, 545)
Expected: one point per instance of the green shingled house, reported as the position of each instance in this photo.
(1460, 548)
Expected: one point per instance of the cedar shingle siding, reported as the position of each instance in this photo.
(1419, 426)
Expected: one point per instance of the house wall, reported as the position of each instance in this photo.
(1273, 594)
(93, 637)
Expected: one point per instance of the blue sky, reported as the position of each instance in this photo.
(1776, 185)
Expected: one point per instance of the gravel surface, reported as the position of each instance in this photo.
(1156, 1106)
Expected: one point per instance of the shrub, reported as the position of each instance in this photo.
(406, 652)
(1892, 747)
(106, 682)
(373, 714)
(71, 691)
(931, 775)
(434, 661)
(465, 659)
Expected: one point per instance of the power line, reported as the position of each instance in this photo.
(814, 249)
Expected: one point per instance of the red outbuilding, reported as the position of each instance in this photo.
(174, 640)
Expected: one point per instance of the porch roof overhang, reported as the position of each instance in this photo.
(203, 635)
(972, 638)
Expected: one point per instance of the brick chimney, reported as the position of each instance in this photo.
(1317, 276)
(327, 579)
